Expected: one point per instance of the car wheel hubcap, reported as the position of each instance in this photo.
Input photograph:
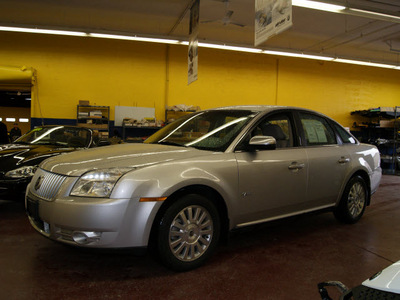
(190, 233)
(356, 199)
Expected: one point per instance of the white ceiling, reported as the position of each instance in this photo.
(313, 32)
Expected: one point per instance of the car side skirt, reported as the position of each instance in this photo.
(284, 216)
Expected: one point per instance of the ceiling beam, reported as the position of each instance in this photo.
(182, 15)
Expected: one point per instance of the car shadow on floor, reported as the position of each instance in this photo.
(122, 264)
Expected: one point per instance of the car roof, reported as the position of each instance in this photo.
(270, 108)
(256, 108)
(263, 108)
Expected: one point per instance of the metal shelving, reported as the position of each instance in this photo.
(94, 117)
(382, 130)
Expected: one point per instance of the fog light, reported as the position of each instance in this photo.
(46, 227)
(86, 237)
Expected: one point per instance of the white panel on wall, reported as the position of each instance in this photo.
(132, 112)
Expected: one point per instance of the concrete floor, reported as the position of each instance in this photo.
(280, 260)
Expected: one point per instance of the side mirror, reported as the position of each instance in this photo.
(261, 142)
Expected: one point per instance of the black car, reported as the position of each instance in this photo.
(19, 160)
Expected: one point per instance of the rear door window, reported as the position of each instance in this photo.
(317, 130)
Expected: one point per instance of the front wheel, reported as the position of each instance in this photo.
(353, 202)
(188, 232)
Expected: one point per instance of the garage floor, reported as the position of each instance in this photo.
(280, 260)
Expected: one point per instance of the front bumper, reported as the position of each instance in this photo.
(375, 178)
(93, 222)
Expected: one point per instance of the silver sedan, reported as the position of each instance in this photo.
(194, 180)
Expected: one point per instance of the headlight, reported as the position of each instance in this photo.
(98, 183)
(23, 172)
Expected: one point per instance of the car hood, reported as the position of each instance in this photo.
(124, 155)
(13, 156)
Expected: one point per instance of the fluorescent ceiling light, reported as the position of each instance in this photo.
(233, 48)
(301, 55)
(205, 45)
(318, 5)
(373, 13)
(43, 31)
(10, 119)
(133, 38)
(24, 120)
(346, 10)
(365, 63)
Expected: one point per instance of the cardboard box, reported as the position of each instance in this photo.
(83, 114)
(173, 115)
(95, 114)
(84, 102)
(388, 123)
(103, 134)
(386, 109)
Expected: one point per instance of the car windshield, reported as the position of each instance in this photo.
(208, 130)
(58, 136)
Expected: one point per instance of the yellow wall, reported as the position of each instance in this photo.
(104, 72)
(225, 78)
(125, 73)
(336, 89)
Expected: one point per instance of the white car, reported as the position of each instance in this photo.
(194, 180)
(383, 285)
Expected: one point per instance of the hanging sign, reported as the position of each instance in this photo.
(272, 17)
(193, 42)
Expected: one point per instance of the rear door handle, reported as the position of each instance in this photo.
(295, 166)
(343, 160)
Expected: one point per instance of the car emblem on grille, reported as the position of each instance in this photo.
(39, 182)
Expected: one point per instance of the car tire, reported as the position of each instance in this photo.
(188, 233)
(353, 202)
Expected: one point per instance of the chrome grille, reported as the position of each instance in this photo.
(45, 184)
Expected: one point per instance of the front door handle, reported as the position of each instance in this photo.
(343, 160)
(296, 166)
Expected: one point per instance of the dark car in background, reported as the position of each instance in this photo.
(19, 160)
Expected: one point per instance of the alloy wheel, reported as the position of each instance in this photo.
(356, 199)
(190, 233)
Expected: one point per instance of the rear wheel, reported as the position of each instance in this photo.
(188, 232)
(353, 202)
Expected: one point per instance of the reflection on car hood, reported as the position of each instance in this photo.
(13, 156)
(124, 155)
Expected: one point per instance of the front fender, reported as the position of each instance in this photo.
(218, 172)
